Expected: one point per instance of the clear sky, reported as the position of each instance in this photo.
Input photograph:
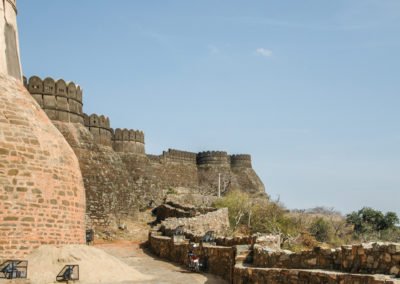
(311, 89)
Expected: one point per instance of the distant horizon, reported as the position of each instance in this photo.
(309, 89)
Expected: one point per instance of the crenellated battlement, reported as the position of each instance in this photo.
(128, 141)
(99, 126)
(59, 99)
(62, 101)
(241, 160)
(179, 156)
(203, 158)
(213, 158)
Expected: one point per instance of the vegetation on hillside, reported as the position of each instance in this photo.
(302, 229)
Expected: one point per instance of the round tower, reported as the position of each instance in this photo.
(9, 45)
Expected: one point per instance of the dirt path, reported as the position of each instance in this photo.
(162, 271)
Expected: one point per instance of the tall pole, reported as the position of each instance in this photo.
(219, 185)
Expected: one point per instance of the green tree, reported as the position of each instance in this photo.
(238, 205)
(369, 223)
(320, 229)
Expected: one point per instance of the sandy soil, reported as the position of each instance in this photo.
(144, 262)
(95, 265)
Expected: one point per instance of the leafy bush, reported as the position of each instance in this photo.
(320, 229)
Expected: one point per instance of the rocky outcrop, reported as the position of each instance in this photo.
(42, 198)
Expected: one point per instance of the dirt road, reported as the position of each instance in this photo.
(162, 271)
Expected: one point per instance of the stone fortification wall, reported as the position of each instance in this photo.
(153, 179)
(42, 198)
(179, 156)
(60, 100)
(210, 158)
(99, 126)
(174, 156)
(110, 187)
(241, 161)
(128, 141)
(124, 177)
(219, 158)
(372, 258)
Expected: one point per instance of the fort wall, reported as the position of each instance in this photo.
(179, 156)
(210, 158)
(60, 100)
(42, 197)
(219, 158)
(99, 126)
(125, 168)
(128, 141)
(242, 160)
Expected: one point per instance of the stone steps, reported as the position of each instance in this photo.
(244, 254)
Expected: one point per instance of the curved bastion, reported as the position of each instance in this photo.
(59, 99)
(128, 141)
(42, 197)
(100, 128)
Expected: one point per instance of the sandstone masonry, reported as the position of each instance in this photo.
(42, 198)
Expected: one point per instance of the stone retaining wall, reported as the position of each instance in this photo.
(219, 260)
(244, 275)
(217, 221)
(171, 209)
(370, 258)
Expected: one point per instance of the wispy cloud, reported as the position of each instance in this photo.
(213, 49)
(264, 52)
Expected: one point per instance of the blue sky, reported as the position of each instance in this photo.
(309, 88)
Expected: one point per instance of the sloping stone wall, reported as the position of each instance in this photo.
(42, 198)
(109, 186)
